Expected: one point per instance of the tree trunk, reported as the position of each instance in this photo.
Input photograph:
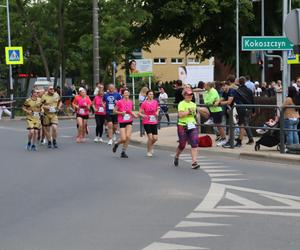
(32, 30)
(61, 39)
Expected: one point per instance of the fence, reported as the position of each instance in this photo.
(231, 126)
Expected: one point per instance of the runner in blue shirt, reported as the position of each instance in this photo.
(110, 98)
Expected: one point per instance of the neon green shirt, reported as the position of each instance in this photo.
(210, 97)
(185, 106)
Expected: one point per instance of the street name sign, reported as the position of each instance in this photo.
(250, 43)
(14, 55)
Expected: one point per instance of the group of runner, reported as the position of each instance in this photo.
(111, 109)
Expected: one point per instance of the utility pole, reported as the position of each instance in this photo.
(11, 84)
(263, 78)
(285, 78)
(96, 69)
(237, 41)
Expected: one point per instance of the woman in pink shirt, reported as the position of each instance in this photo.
(99, 107)
(124, 109)
(149, 111)
(82, 104)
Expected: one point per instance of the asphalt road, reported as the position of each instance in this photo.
(82, 196)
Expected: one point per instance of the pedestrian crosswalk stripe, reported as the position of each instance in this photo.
(213, 166)
(223, 175)
(166, 246)
(286, 201)
(180, 234)
(226, 179)
(241, 200)
(199, 224)
(219, 170)
(208, 215)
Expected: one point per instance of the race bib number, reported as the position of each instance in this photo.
(36, 114)
(191, 125)
(152, 118)
(81, 111)
(126, 117)
(111, 106)
(52, 110)
(101, 109)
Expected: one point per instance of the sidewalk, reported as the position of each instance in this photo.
(167, 140)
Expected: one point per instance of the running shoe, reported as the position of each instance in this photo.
(176, 161)
(100, 139)
(221, 142)
(261, 131)
(149, 154)
(110, 142)
(28, 146)
(195, 165)
(96, 139)
(115, 147)
(55, 145)
(124, 155)
(49, 144)
(33, 148)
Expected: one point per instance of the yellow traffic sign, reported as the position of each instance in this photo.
(14, 55)
(292, 58)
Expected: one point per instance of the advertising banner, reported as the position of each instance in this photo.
(193, 74)
(140, 68)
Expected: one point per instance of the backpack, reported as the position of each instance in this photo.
(204, 141)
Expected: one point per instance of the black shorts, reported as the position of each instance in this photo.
(84, 117)
(111, 118)
(216, 117)
(125, 124)
(151, 128)
(243, 116)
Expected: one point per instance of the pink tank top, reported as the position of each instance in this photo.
(124, 105)
(150, 109)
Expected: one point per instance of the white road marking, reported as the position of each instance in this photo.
(245, 211)
(219, 170)
(223, 175)
(166, 246)
(13, 129)
(213, 166)
(208, 215)
(180, 234)
(226, 179)
(238, 199)
(288, 202)
(199, 224)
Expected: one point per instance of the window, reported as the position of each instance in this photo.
(193, 60)
(159, 60)
(176, 60)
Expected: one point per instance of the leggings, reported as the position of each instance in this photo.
(185, 136)
(100, 119)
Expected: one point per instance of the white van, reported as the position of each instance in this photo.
(42, 82)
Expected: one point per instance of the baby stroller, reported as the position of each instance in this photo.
(270, 138)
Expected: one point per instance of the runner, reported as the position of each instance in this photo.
(125, 115)
(51, 104)
(149, 111)
(100, 112)
(186, 128)
(42, 133)
(110, 98)
(82, 104)
(33, 108)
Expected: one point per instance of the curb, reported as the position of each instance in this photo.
(250, 156)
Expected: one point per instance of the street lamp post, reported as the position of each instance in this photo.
(11, 86)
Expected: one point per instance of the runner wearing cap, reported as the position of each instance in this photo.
(100, 113)
(186, 128)
(33, 108)
(82, 104)
(149, 111)
(110, 98)
(51, 104)
(124, 109)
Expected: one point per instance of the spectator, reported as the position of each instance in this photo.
(231, 79)
(258, 90)
(264, 89)
(278, 86)
(271, 90)
(296, 85)
(211, 99)
(143, 94)
(3, 108)
(163, 102)
(249, 84)
(178, 92)
(291, 116)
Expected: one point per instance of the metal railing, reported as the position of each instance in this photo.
(231, 126)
